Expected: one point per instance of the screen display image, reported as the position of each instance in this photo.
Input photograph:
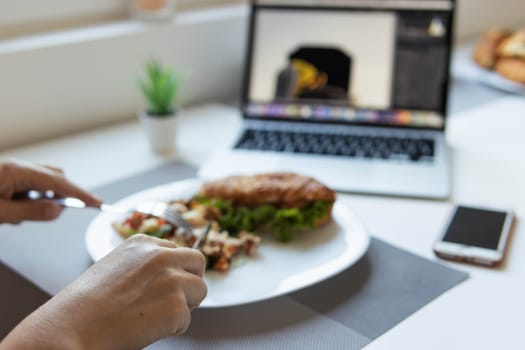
(353, 65)
(476, 227)
(330, 58)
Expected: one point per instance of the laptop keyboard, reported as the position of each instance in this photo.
(344, 145)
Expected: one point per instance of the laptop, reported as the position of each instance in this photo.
(352, 93)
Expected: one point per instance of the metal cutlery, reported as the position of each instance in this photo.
(202, 237)
(157, 209)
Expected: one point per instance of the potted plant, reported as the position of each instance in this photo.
(160, 89)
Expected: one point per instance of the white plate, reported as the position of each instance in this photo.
(464, 67)
(277, 269)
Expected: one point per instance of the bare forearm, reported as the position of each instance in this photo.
(40, 332)
(142, 291)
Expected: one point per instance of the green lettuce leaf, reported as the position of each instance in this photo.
(281, 222)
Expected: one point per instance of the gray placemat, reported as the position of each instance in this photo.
(345, 312)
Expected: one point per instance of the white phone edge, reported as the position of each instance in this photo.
(473, 254)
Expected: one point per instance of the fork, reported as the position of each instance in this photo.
(171, 214)
(157, 209)
(202, 237)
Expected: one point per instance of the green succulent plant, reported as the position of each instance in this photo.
(160, 88)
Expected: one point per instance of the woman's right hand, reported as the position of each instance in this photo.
(141, 292)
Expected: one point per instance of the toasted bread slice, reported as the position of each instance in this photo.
(324, 219)
(284, 190)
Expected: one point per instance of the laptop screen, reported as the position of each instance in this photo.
(375, 62)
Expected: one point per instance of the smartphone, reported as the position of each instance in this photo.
(18, 298)
(475, 235)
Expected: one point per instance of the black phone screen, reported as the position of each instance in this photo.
(476, 227)
(18, 298)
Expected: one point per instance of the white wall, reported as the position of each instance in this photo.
(83, 81)
(476, 16)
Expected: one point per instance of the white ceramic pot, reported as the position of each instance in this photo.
(160, 132)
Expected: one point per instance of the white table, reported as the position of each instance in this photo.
(484, 312)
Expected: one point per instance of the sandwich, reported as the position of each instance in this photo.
(281, 203)
(238, 208)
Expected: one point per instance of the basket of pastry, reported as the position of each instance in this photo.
(504, 52)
